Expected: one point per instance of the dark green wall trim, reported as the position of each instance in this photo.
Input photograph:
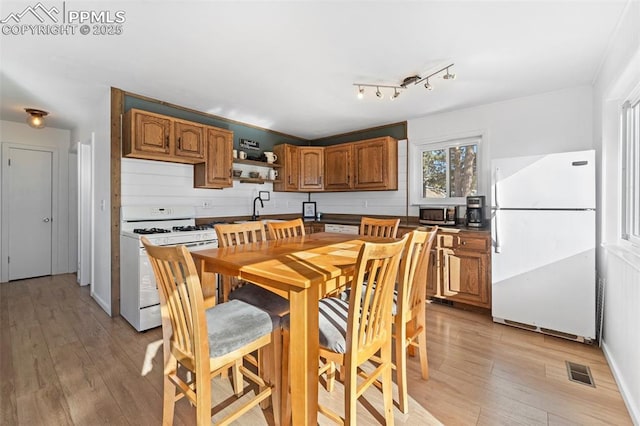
(266, 137)
(395, 130)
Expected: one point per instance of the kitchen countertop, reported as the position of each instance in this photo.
(342, 219)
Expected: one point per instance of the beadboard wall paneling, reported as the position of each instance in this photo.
(155, 183)
(620, 336)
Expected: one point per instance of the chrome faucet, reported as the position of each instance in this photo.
(255, 216)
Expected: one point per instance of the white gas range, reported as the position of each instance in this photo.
(139, 298)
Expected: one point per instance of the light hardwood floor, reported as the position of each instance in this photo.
(64, 361)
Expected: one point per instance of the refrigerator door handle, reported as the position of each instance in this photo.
(496, 242)
(496, 180)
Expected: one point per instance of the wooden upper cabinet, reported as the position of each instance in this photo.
(146, 135)
(152, 136)
(216, 171)
(311, 168)
(289, 173)
(338, 167)
(189, 140)
(376, 164)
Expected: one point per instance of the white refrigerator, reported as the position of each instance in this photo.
(543, 230)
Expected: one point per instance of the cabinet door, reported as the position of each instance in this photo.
(189, 141)
(151, 133)
(465, 277)
(433, 275)
(311, 168)
(216, 171)
(376, 164)
(338, 167)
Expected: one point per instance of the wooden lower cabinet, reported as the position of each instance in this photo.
(460, 268)
(313, 227)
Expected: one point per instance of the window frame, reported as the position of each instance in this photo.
(630, 172)
(415, 167)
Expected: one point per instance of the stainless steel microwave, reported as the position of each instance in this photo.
(438, 215)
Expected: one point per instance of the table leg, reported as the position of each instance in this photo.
(304, 356)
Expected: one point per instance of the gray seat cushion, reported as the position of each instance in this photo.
(261, 298)
(233, 325)
(334, 314)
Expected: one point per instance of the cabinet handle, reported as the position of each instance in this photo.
(166, 140)
(179, 143)
(319, 180)
(230, 173)
(348, 178)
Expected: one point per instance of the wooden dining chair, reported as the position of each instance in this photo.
(203, 342)
(409, 308)
(353, 332)
(287, 229)
(276, 306)
(379, 227)
(232, 234)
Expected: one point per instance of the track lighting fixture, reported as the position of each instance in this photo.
(36, 118)
(408, 81)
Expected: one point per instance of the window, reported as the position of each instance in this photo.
(448, 170)
(631, 171)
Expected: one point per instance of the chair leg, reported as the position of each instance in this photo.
(285, 398)
(270, 371)
(387, 385)
(401, 365)
(203, 400)
(237, 377)
(169, 398)
(350, 392)
(422, 349)
(331, 376)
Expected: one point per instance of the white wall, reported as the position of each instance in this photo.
(99, 124)
(540, 124)
(618, 267)
(21, 133)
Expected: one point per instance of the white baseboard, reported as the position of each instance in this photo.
(105, 306)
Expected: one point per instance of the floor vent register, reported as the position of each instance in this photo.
(580, 374)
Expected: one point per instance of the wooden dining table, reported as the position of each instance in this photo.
(302, 269)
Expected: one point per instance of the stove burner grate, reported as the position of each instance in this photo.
(146, 231)
(191, 228)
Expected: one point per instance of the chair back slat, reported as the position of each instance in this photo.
(387, 228)
(287, 229)
(377, 265)
(233, 234)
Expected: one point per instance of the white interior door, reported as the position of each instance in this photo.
(30, 218)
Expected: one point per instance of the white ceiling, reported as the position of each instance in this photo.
(290, 66)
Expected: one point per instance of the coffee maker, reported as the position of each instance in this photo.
(475, 211)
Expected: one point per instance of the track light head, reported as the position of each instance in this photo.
(449, 76)
(395, 94)
(360, 92)
(428, 86)
(379, 93)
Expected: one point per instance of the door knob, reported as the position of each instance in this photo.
(46, 219)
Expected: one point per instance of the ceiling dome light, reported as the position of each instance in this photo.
(36, 118)
(360, 92)
(379, 93)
